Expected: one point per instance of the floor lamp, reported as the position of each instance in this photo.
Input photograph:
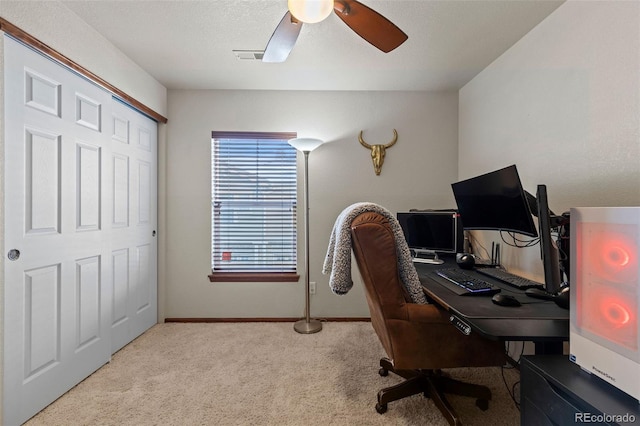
(306, 145)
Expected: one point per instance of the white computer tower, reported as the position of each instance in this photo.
(605, 294)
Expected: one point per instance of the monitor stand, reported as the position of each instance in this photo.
(426, 256)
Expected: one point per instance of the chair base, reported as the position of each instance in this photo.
(433, 384)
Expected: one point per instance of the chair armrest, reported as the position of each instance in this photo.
(430, 313)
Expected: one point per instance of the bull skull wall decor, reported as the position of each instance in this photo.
(378, 151)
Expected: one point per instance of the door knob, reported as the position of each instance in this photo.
(13, 254)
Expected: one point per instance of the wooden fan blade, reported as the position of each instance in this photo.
(282, 40)
(370, 25)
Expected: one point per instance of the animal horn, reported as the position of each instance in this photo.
(395, 139)
(362, 142)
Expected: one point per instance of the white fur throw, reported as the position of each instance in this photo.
(338, 259)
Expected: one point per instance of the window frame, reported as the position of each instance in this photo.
(244, 276)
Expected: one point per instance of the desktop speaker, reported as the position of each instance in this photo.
(465, 260)
(605, 294)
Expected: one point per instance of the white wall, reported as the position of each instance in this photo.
(563, 104)
(55, 25)
(417, 173)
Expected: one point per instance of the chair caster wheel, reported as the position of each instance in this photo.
(381, 408)
(383, 372)
(482, 404)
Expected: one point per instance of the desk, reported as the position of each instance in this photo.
(539, 321)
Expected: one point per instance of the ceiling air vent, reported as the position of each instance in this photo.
(249, 55)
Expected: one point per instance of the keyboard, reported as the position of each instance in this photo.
(509, 278)
(463, 283)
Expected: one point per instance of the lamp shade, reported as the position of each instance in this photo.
(305, 144)
(310, 11)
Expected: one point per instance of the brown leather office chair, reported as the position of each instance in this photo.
(418, 339)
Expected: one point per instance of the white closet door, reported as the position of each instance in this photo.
(133, 220)
(57, 299)
(74, 253)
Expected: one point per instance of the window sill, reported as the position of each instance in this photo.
(254, 277)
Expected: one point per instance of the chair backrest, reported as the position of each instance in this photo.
(374, 249)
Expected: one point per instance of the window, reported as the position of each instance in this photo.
(253, 207)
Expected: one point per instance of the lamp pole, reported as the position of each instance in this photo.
(306, 325)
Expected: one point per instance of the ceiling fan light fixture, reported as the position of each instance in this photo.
(310, 11)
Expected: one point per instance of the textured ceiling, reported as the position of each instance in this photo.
(188, 44)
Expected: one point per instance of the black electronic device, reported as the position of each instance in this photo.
(430, 233)
(539, 293)
(563, 297)
(505, 300)
(548, 247)
(462, 326)
(510, 279)
(464, 284)
(495, 201)
(465, 260)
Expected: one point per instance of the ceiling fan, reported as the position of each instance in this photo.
(366, 22)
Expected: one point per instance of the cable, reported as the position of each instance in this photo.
(475, 241)
(511, 390)
(518, 242)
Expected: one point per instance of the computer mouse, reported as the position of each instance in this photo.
(505, 300)
(465, 260)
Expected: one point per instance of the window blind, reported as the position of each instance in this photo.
(254, 203)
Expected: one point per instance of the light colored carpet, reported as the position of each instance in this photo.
(260, 374)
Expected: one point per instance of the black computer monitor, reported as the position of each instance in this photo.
(429, 233)
(548, 248)
(495, 201)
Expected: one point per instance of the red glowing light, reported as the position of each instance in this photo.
(616, 314)
(612, 255)
(617, 256)
(610, 311)
(608, 282)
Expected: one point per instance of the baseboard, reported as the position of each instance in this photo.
(335, 319)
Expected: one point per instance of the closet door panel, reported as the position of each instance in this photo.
(89, 191)
(42, 185)
(134, 181)
(57, 299)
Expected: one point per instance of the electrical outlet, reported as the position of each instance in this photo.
(312, 287)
